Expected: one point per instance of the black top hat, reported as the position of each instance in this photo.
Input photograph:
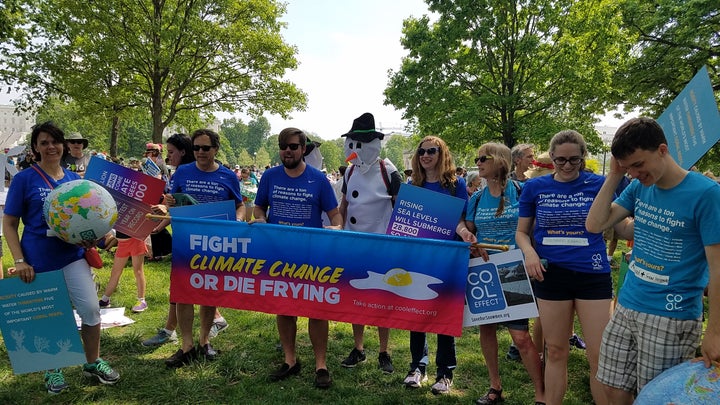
(310, 146)
(363, 129)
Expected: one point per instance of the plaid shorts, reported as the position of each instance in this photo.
(637, 347)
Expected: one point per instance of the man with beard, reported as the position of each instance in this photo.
(313, 195)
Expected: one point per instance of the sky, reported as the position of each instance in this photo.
(345, 49)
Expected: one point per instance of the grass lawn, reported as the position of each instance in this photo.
(249, 352)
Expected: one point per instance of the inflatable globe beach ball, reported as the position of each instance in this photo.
(80, 210)
(687, 383)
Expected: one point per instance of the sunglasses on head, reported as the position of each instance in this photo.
(292, 146)
(205, 148)
(483, 159)
(429, 151)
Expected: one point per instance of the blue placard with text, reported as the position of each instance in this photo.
(691, 122)
(424, 213)
(37, 324)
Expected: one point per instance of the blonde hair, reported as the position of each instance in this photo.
(502, 162)
(445, 165)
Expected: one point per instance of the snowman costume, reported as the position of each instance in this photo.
(369, 199)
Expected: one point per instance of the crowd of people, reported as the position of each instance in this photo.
(551, 208)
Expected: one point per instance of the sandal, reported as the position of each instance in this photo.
(487, 400)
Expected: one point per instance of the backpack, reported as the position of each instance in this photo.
(385, 176)
(515, 183)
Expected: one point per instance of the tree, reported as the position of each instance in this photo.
(674, 39)
(177, 58)
(235, 131)
(258, 131)
(507, 70)
(333, 155)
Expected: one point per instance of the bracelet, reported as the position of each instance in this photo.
(19, 261)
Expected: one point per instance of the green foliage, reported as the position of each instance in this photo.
(333, 154)
(498, 70)
(178, 59)
(673, 40)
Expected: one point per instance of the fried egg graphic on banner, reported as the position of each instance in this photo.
(407, 284)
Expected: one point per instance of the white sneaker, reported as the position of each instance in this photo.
(414, 379)
(442, 386)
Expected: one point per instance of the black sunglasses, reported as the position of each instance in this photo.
(74, 141)
(429, 151)
(205, 148)
(483, 159)
(292, 146)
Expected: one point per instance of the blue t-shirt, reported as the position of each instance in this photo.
(460, 190)
(560, 210)
(25, 200)
(295, 201)
(669, 270)
(205, 187)
(481, 209)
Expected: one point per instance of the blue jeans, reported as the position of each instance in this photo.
(445, 357)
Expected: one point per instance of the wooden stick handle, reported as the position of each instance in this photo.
(153, 216)
(504, 248)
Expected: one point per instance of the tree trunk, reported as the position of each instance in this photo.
(114, 131)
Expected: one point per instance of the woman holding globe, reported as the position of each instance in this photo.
(37, 252)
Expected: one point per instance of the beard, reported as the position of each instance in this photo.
(290, 162)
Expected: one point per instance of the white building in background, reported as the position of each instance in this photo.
(13, 126)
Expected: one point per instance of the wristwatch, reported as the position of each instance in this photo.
(19, 261)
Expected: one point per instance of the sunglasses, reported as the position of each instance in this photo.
(429, 151)
(74, 141)
(483, 159)
(575, 160)
(205, 148)
(292, 146)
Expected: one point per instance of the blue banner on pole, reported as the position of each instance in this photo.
(691, 122)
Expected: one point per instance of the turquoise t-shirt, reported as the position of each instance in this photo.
(668, 270)
(481, 209)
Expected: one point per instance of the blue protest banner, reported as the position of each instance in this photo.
(691, 122)
(38, 325)
(397, 282)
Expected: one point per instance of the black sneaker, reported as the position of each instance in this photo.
(285, 371)
(356, 356)
(322, 379)
(208, 352)
(181, 358)
(385, 363)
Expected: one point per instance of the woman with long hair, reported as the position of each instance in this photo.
(492, 215)
(433, 169)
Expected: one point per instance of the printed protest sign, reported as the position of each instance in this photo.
(397, 282)
(134, 193)
(498, 290)
(691, 121)
(423, 213)
(37, 324)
